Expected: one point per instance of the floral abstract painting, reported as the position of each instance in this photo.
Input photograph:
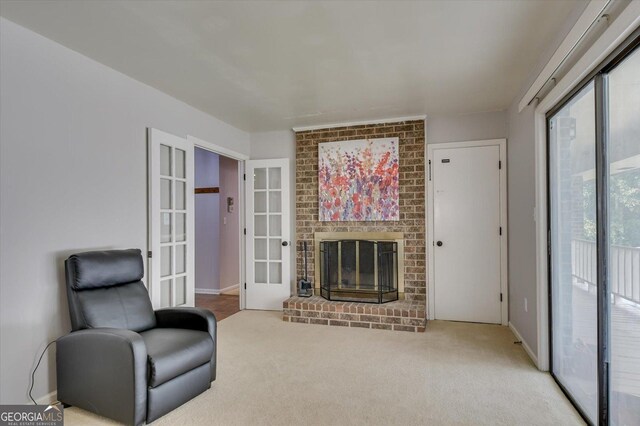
(359, 180)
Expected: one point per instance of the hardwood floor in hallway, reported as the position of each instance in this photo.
(222, 305)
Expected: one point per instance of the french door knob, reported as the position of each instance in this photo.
(285, 243)
(439, 243)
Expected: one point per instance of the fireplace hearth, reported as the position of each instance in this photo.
(359, 270)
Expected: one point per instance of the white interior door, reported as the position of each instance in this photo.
(467, 233)
(268, 241)
(171, 220)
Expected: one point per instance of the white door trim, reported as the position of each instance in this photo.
(504, 287)
(221, 150)
(240, 157)
(540, 217)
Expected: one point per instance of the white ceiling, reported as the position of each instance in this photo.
(271, 65)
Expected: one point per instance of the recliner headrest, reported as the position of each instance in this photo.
(96, 269)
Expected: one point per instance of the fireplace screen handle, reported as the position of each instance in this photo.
(439, 243)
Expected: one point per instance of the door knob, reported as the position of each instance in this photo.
(285, 243)
(439, 243)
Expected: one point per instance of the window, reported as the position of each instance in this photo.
(594, 221)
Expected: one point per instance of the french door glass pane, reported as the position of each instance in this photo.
(165, 293)
(275, 202)
(260, 202)
(165, 193)
(180, 163)
(260, 225)
(181, 258)
(180, 194)
(181, 227)
(165, 160)
(573, 239)
(260, 178)
(181, 291)
(261, 272)
(165, 261)
(624, 239)
(275, 273)
(275, 249)
(274, 178)
(165, 227)
(260, 248)
(275, 225)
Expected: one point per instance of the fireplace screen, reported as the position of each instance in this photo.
(359, 270)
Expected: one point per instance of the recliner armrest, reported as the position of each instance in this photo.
(192, 319)
(104, 370)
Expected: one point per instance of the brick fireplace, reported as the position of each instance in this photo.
(409, 312)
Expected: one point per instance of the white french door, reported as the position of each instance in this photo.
(268, 240)
(469, 231)
(171, 220)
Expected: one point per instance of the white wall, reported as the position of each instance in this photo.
(229, 224)
(466, 127)
(281, 144)
(72, 178)
(207, 222)
(522, 226)
(521, 183)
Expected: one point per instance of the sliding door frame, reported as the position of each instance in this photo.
(601, 88)
(602, 243)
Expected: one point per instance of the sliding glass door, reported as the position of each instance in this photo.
(624, 240)
(572, 157)
(594, 230)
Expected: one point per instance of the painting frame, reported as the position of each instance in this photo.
(359, 180)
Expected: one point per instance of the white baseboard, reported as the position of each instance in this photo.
(207, 291)
(47, 399)
(526, 347)
(230, 288)
(216, 291)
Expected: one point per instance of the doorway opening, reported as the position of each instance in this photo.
(217, 233)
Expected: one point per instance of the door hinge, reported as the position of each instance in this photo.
(429, 169)
(501, 297)
(244, 176)
(149, 253)
(245, 231)
(245, 286)
(501, 230)
(499, 165)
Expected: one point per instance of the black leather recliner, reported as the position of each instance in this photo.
(123, 360)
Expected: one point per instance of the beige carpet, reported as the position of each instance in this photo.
(276, 373)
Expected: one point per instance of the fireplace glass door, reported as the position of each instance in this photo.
(359, 271)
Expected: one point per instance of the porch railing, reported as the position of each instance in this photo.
(624, 269)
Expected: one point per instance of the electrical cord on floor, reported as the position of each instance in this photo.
(33, 373)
